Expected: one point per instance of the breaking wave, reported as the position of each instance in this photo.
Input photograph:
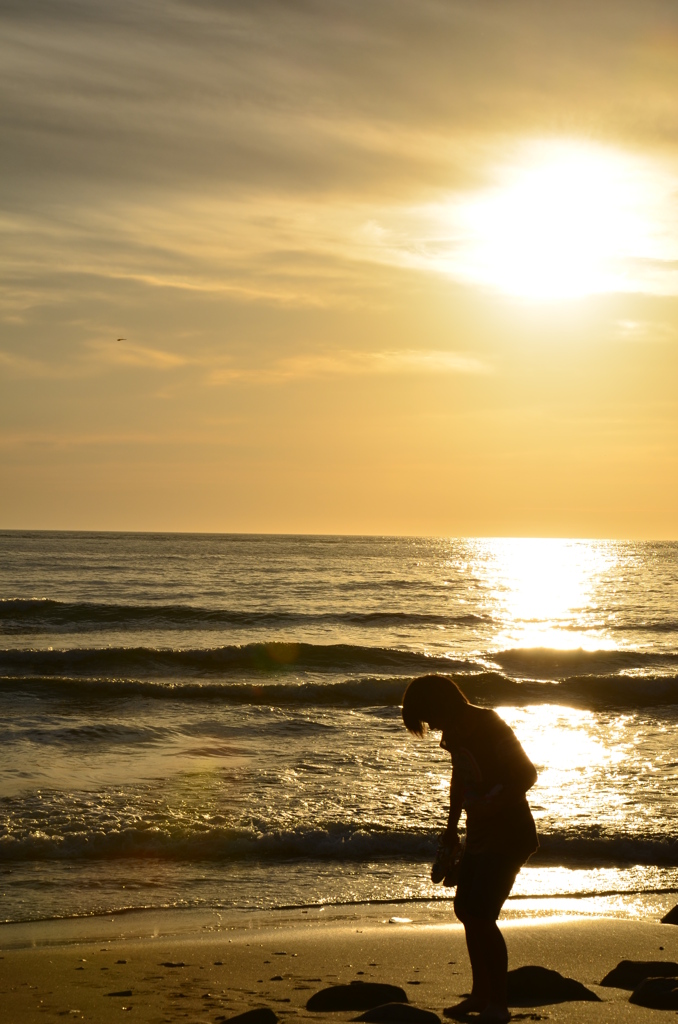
(337, 841)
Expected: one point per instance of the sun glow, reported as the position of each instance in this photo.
(565, 220)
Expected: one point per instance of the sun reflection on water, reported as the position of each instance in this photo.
(573, 751)
(540, 587)
(567, 739)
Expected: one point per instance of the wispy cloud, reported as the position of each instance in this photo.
(95, 358)
(645, 331)
(344, 363)
(124, 353)
(212, 368)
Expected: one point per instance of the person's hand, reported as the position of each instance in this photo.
(448, 847)
(450, 839)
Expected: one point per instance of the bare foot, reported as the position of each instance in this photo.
(472, 1004)
(494, 1013)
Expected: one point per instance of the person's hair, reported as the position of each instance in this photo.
(427, 698)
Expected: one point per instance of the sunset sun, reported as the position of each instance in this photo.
(560, 223)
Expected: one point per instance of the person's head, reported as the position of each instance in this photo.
(435, 701)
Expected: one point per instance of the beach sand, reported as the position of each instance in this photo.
(278, 959)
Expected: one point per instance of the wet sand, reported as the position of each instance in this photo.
(279, 959)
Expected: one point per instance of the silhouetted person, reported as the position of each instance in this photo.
(490, 776)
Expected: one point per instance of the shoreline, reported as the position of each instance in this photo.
(279, 958)
(146, 922)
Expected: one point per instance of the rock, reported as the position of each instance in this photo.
(629, 973)
(170, 963)
(359, 995)
(671, 917)
(125, 992)
(657, 993)
(399, 1013)
(263, 1015)
(538, 986)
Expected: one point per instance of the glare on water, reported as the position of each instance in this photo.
(575, 752)
(538, 588)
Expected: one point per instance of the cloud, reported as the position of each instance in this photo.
(95, 358)
(645, 331)
(213, 368)
(123, 353)
(390, 96)
(350, 363)
(239, 149)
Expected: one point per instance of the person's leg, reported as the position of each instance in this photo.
(481, 986)
(495, 969)
(484, 883)
(477, 954)
(489, 965)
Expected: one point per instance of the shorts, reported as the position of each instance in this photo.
(485, 880)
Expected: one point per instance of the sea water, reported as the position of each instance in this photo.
(196, 721)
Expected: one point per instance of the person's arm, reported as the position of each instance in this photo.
(451, 834)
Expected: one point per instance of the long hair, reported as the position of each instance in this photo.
(427, 698)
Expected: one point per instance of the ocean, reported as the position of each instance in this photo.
(213, 721)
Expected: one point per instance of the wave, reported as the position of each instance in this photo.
(353, 693)
(259, 657)
(337, 841)
(37, 614)
(646, 626)
(277, 656)
(594, 693)
(88, 735)
(572, 847)
(551, 663)
(43, 614)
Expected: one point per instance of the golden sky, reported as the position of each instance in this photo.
(335, 266)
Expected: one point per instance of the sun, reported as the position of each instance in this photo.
(564, 219)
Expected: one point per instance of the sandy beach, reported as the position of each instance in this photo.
(279, 959)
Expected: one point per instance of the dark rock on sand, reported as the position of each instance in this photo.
(657, 993)
(671, 917)
(538, 986)
(399, 1013)
(170, 963)
(359, 995)
(260, 1016)
(629, 973)
(125, 992)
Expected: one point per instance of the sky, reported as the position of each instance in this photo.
(328, 266)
